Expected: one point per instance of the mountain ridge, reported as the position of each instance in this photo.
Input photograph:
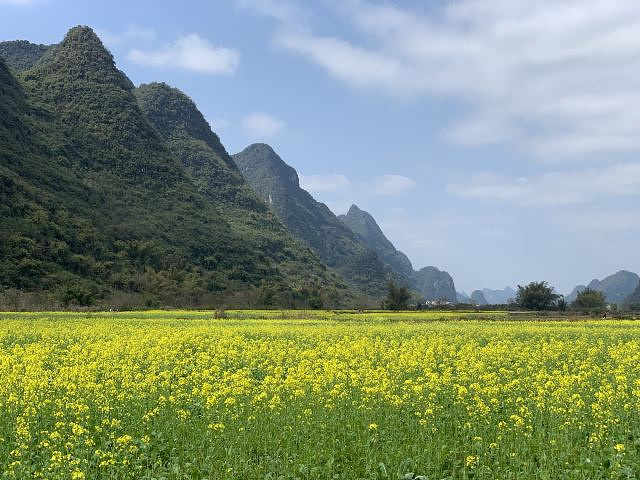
(430, 282)
(367, 229)
(212, 169)
(21, 55)
(277, 183)
(615, 287)
(102, 208)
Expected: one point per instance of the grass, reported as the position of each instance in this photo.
(335, 395)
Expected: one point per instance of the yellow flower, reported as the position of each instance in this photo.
(77, 475)
(373, 427)
(125, 439)
(472, 461)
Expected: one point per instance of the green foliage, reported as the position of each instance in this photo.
(398, 297)
(266, 296)
(92, 195)
(77, 294)
(536, 296)
(218, 179)
(21, 55)
(632, 302)
(589, 301)
(561, 304)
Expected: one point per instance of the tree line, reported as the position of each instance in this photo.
(537, 296)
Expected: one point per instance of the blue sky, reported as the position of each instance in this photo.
(496, 139)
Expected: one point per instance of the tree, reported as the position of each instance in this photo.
(537, 296)
(77, 294)
(589, 301)
(397, 298)
(561, 303)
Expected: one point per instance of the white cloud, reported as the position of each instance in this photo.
(190, 52)
(558, 76)
(133, 34)
(323, 183)
(391, 185)
(555, 188)
(262, 125)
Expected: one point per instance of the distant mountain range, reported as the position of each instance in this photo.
(487, 296)
(125, 196)
(477, 297)
(499, 297)
(617, 288)
(429, 282)
(352, 244)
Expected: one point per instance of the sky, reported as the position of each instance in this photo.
(494, 139)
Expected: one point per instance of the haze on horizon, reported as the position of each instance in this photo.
(495, 139)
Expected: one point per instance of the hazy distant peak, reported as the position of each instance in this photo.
(616, 287)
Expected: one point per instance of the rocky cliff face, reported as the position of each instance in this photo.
(477, 297)
(435, 284)
(429, 282)
(367, 229)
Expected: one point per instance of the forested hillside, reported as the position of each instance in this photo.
(99, 207)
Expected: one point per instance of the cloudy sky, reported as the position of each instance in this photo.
(496, 139)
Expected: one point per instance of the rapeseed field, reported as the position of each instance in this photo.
(284, 395)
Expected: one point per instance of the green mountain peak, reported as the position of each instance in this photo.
(260, 160)
(310, 221)
(173, 113)
(21, 55)
(81, 56)
(97, 203)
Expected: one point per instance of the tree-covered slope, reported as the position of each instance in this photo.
(310, 221)
(211, 168)
(96, 204)
(21, 55)
(39, 206)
